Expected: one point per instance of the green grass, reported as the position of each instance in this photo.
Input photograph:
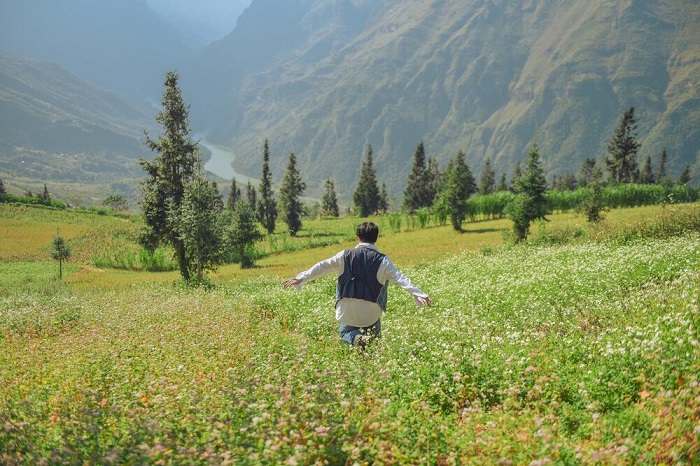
(584, 352)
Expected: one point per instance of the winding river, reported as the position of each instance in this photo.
(221, 163)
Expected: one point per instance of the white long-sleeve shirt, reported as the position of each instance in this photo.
(358, 312)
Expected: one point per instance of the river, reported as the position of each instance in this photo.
(221, 163)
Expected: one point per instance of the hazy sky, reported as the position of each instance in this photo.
(219, 16)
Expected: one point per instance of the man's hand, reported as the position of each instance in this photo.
(425, 300)
(291, 282)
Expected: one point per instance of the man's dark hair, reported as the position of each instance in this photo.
(368, 232)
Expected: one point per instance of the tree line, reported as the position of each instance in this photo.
(185, 210)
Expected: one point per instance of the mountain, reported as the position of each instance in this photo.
(59, 129)
(45, 107)
(119, 45)
(208, 20)
(325, 78)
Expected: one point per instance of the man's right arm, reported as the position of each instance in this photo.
(333, 264)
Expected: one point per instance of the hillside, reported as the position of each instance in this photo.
(325, 78)
(120, 45)
(56, 127)
(45, 107)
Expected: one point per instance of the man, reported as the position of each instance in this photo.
(361, 293)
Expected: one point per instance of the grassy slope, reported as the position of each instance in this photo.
(578, 353)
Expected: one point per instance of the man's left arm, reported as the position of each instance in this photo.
(388, 272)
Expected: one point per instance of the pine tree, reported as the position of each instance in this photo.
(267, 206)
(251, 196)
(233, 195)
(593, 205)
(291, 190)
(555, 183)
(167, 174)
(2, 188)
(530, 202)
(568, 182)
(200, 226)
(458, 185)
(502, 184)
(366, 196)
(661, 167)
(383, 204)
(586, 172)
(329, 202)
(61, 251)
(433, 179)
(685, 176)
(517, 174)
(419, 189)
(646, 176)
(487, 180)
(45, 196)
(242, 233)
(621, 160)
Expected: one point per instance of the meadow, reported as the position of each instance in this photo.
(580, 347)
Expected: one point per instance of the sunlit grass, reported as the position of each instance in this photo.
(584, 353)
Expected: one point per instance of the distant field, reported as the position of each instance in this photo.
(584, 352)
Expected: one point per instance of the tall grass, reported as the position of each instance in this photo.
(614, 197)
(584, 353)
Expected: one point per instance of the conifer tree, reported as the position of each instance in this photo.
(458, 185)
(60, 252)
(242, 233)
(251, 196)
(568, 182)
(530, 202)
(685, 176)
(487, 180)
(502, 184)
(621, 160)
(646, 176)
(2, 188)
(418, 192)
(45, 196)
(167, 174)
(366, 196)
(329, 201)
(593, 205)
(433, 180)
(200, 226)
(517, 173)
(661, 167)
(383, 205)
(291, 190)
(233, 195)
(267, 205)
(586, 172)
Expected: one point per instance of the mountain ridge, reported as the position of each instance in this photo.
(484, 76)
(51, 97)
(327, 78)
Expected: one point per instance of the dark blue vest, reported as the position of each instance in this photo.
(359, 278)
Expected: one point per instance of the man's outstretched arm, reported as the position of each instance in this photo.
(290, 282)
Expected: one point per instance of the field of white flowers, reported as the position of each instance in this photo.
(573, 354)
